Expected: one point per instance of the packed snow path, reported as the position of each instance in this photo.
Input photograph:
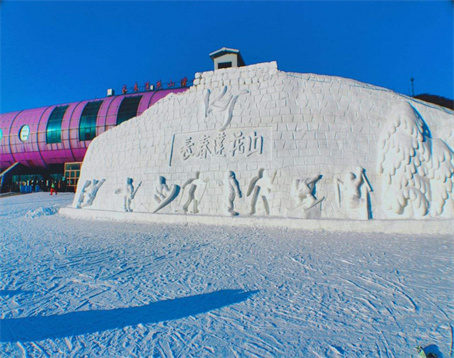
(72, 287)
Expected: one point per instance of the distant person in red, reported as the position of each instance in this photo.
(52, 189)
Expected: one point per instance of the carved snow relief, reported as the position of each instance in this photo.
(193, 191)
(130, 193)
(164, 194)
(223, 103)
(257, 141)
(417, 169)
(352, 195)
(88, 193)
(303, 195)
(260, 187)
(231, 191)
(230, 145)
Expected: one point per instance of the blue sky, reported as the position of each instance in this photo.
(54, 52)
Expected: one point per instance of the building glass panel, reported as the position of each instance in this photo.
(128, 108)
(53, 131)
(87, 126)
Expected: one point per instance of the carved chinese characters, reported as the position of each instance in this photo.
(229, 145)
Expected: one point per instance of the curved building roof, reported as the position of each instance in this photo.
(62, 133)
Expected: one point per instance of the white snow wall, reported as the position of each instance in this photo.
(295, 126)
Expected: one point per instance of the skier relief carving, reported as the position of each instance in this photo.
(195, 189)
(88, 193)
(130, 194)
(163, 194)
(223, 103)
(352, 195)
(260, 187)
(82, 194)
(417, 169)
(231, 191)
(303, 194)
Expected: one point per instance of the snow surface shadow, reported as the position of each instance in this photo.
(29, 329)
(13, 292)
(433, 349)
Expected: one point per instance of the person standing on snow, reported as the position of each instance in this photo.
(53, 189)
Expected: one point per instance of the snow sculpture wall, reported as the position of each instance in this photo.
(257, 141)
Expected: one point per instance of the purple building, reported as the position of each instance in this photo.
(38, 142)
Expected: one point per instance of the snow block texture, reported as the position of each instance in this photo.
(297, 145)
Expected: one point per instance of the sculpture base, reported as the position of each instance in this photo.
(426, 227)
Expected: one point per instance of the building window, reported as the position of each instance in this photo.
(128, 108)
(87, 126)
(224, 65)
(72, 173)
(24, 133)
(53, 131)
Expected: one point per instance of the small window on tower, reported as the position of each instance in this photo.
(225, 64)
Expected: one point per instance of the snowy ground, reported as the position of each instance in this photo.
(72, 287)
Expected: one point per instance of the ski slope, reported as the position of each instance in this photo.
(86, 288)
